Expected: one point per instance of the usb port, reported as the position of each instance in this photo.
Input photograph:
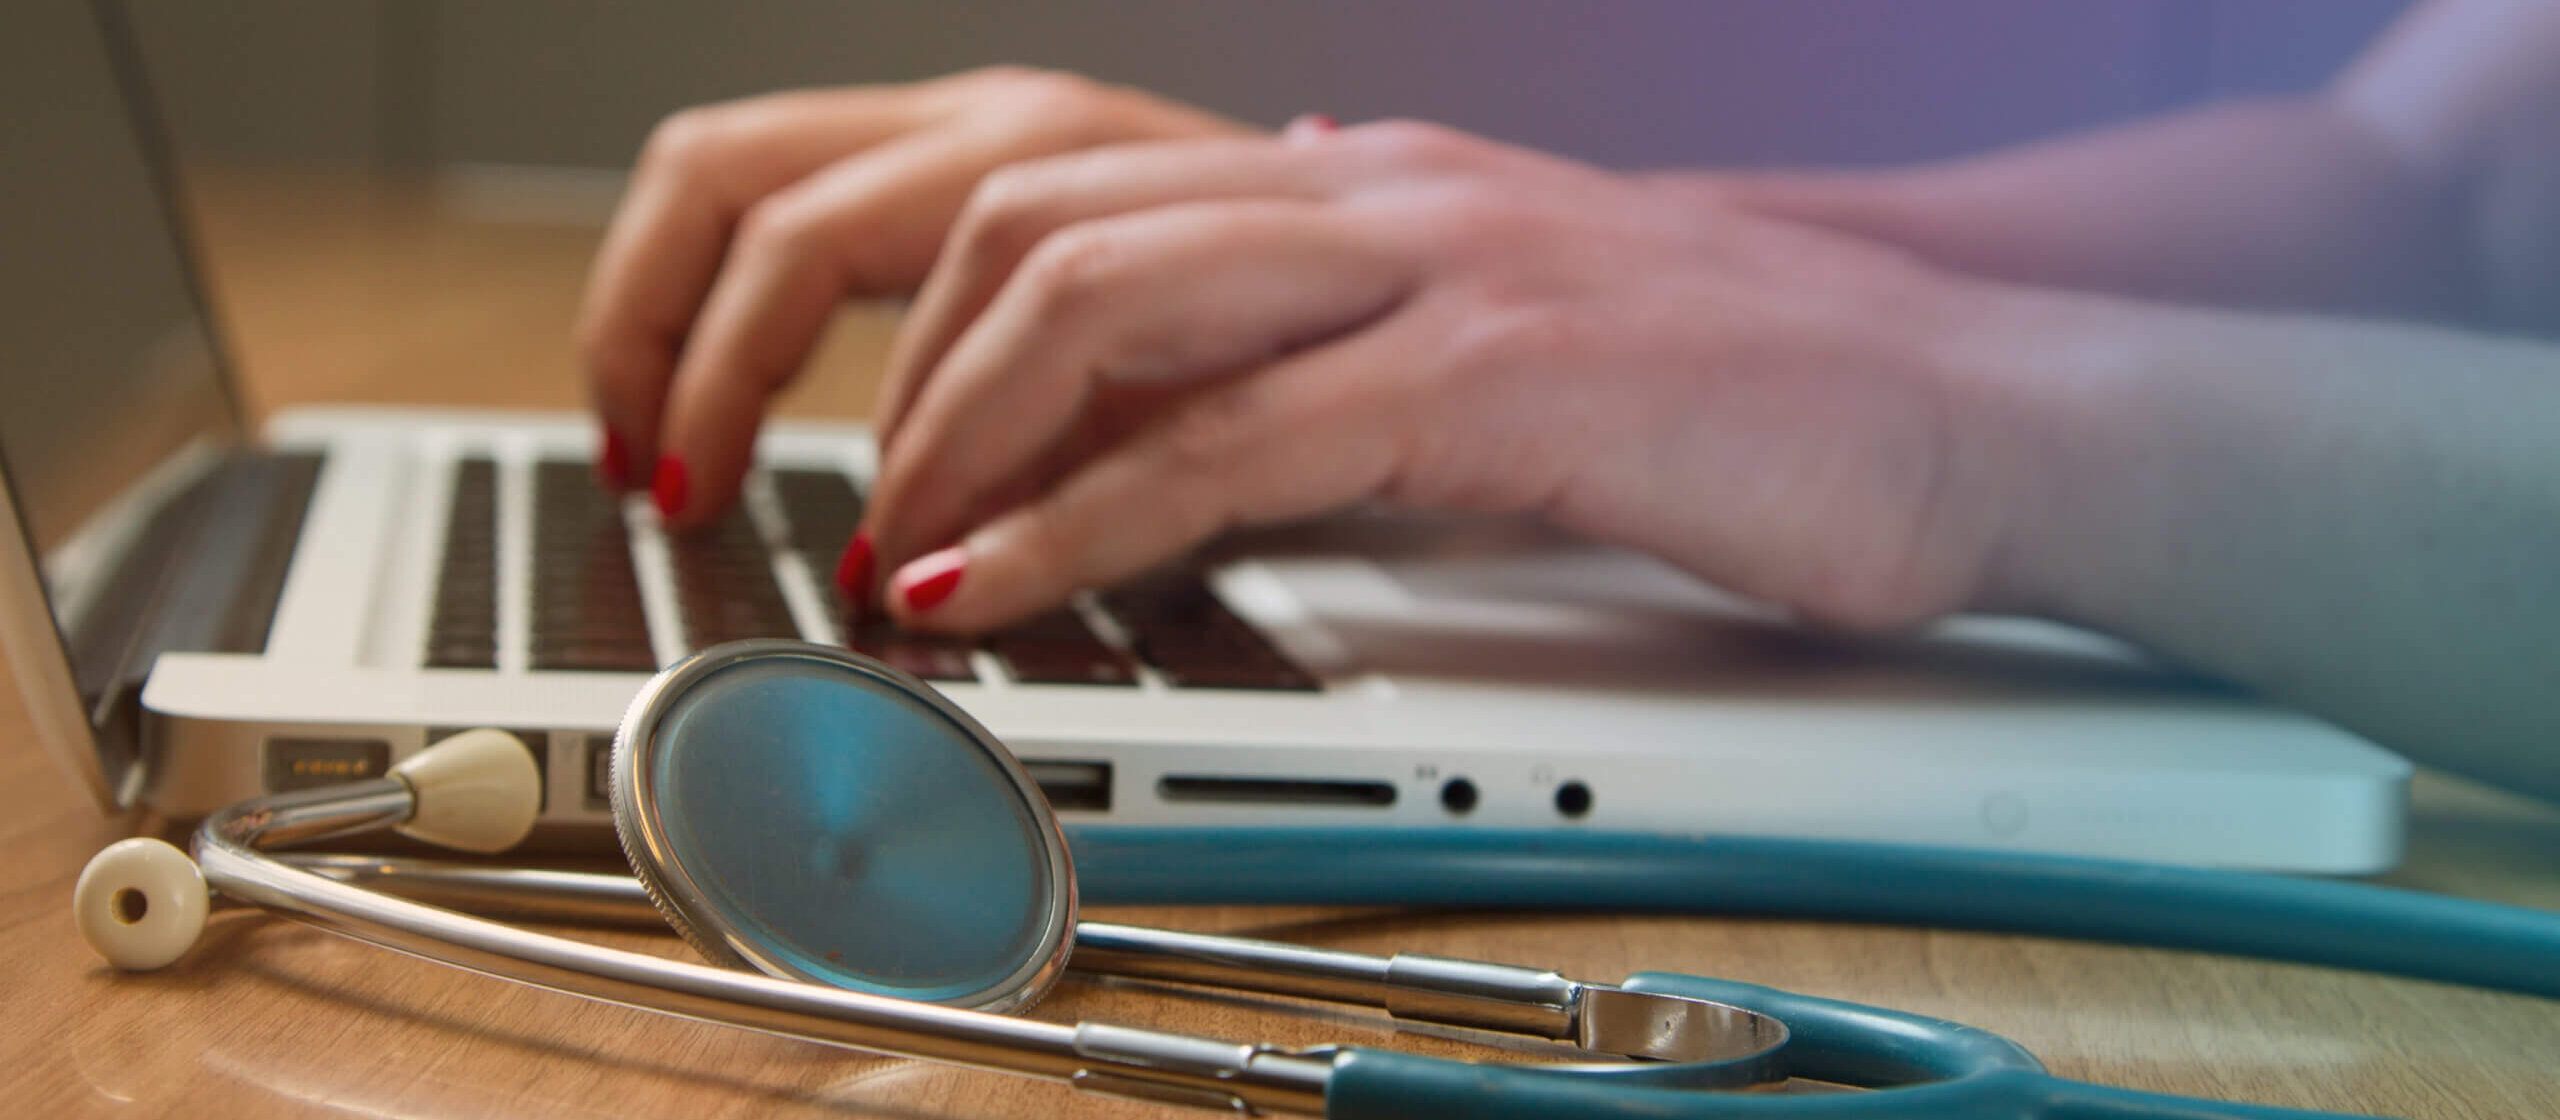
(1076, 786)
(599, 771)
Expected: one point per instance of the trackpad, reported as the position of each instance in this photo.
(1531, 609)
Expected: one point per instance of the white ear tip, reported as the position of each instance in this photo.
(140, 903)
(478, 791)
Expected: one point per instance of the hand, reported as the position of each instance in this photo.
(1124, 351)
(747, 223)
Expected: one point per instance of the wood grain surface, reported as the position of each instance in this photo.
(341, 288)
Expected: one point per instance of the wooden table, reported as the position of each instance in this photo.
(344, 289)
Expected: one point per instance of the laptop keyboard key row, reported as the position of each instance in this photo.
(587, 612)
(725, 586)
(1177, 624)
(586, 595)
(463, 633)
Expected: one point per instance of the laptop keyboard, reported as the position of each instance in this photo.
(587, 612)
(464, 631)
(586, 595)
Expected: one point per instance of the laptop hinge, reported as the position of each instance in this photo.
(204, 576)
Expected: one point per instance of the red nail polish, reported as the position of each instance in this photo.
(613, 462)
(853, 569)
(668, 488)
(927, 593)
(1308, 126)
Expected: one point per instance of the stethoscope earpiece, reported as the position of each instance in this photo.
(141, 903)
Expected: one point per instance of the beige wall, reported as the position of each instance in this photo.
(1630, 82)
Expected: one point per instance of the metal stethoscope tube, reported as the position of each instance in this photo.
(386, 901)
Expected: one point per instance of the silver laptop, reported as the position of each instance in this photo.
(198, 613)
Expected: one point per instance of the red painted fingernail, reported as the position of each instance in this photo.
(613, 461)
(942, 577)
(1308, 125)
(668, 488)
(853, 569)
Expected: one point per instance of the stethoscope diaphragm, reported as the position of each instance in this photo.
(815, 815)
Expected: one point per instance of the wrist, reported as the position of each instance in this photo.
(2040, 400)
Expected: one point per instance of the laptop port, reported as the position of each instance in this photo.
(600, 772)
(1458, 795)
(1072, 786)
(1273, 791)
(307, 763)
(1573, 799)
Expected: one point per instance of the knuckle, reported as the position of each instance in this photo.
(1008, 75)
(1471, 219)
(687, 143)
(1046, 529)
(779, 229)
(618, 364)
(1071, 269)
(1207, 438)
(1511, 333)
(1417, 144)
(1064, 107)
(1006, 215)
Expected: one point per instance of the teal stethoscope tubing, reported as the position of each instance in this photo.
(1943, 1071)
(1937, 1068)
(2306, 921)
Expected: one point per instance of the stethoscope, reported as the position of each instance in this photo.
(864, 865)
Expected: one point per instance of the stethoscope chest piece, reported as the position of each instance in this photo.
(788, 812)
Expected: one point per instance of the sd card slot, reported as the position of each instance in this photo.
(1273, 791)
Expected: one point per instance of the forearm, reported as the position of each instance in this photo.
(2281, 203)
(2361, 519)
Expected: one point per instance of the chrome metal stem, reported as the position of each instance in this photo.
(1411, 987)
(522, 893)
(314, 814)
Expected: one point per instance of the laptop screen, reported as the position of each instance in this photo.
(109, 373)
(107, 367)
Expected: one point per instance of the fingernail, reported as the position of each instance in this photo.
(613, 461)
(668, 488)
(853, 569)
(1307, 126)
(931, 578)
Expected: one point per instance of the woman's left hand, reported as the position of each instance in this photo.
(1121, 352)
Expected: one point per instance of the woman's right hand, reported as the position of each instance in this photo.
(747, 223)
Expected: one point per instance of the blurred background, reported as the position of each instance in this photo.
(446, 84)
(385, 193)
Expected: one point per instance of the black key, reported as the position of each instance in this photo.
(461, 652)
(1177, 625)
(822, 509)
(934, 657)
(725, 585)
(1058, 648)
(463, 633)
(586, 613)
(595, 657)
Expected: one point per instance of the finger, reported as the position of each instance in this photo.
(1310, 434)
(857, 227)
(1164, 295)
(1017, 207)
(700, 171)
